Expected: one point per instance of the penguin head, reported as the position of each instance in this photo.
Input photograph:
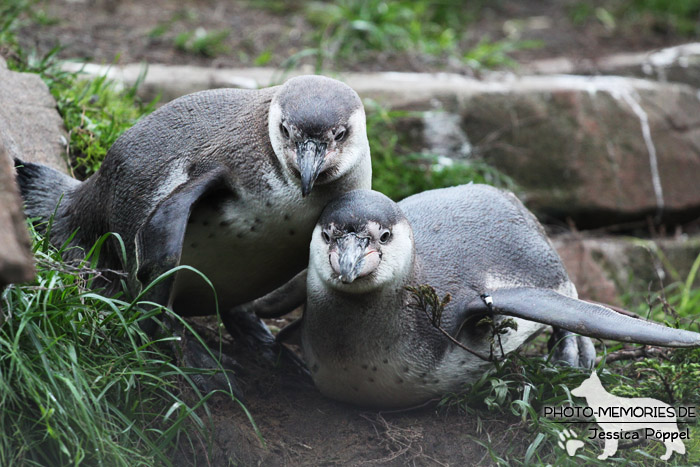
(317, 129)
(362, 242)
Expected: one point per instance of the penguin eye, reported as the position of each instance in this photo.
(386, 235)
(326, 237)
(340, 135)
(284, 130)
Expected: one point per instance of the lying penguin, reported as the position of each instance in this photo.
(228, 181)
(367, 342)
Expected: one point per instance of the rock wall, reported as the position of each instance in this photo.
(594, 149)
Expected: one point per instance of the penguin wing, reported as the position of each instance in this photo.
(589, 319)
(159, 239)
(279, 302)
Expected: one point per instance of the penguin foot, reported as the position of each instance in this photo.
(250, 330)
(571, 349)
(209, 369)
(218, 370)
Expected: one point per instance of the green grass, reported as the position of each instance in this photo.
(202, 42)
(398, 172)
(353, 31)
(349, 28)
(489, 54)
(80, 383)
(518, 388)
(95, 112)
(680, 17)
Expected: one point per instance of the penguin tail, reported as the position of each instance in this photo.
(42, 189)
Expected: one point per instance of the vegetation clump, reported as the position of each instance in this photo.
(80, 382)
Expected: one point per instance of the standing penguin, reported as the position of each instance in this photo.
(367, 342)
(228, 181)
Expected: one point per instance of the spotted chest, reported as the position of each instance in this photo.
(370, 364)
(394, 372)
(383, 379)
(245, 245)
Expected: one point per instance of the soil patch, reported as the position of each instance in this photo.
(302, 427)
(129, 31)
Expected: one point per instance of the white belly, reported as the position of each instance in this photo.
(246, 248)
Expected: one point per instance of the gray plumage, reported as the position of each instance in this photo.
(214, 180)
(365, 340)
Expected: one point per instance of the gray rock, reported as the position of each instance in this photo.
(32, 130)
(679, 64)
(30, 126)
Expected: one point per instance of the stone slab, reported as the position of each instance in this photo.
(31, 128)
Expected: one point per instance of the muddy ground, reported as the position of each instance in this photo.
(299, 426)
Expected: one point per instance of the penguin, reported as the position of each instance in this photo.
(366, 340)
(227, 181)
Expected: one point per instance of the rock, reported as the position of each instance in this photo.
(607, 268)
(589, 277)
(169, 82)
(32, 130)
(16, 263)
(30, 126)
(679, 64)
(598, 150)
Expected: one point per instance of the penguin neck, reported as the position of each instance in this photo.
(336, 322)
(366, 311)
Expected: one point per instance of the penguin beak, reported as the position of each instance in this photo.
(310, 157)
(353, 258)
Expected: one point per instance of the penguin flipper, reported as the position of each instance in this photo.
(159, 240)
(548, 306)
(279, 302)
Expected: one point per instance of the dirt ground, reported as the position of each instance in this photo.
(302, 427)
(132, 31)
(299, 426)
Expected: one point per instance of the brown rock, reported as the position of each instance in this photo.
(16, 263)
(589, 277)
(598, 150)
(30, 127)
(606, 268)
